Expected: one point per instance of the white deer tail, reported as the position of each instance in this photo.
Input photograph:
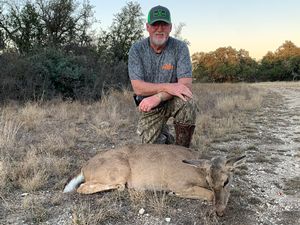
(74, 183)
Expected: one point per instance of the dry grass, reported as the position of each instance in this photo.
(295, 84)
(32, 115)
(116, 110)
(42, 144)
(222, 108)
(58, 142)
(36, 209)
(137, 199)
(84, 213)
(158, 202)
(32, 173)
(9, 128)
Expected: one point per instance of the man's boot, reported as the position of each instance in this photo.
(165, 136)
(170, 138)
(184, 133)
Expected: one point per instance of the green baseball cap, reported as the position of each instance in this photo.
(159, 13)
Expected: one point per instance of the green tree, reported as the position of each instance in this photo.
(127, 28)
(282, 65)
(225, 64)
(30, 23)
(2, 40)
(66, 21)
(114, 44)
(20, 25)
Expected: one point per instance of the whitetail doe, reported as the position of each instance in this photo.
(158, 167)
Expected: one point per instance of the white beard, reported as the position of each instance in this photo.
(159, 42)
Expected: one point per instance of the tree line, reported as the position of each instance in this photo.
(227, 64)
(51, 48)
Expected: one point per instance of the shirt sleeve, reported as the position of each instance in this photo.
(184, 64)
(135, 66)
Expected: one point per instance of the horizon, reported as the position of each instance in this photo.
(258, 26)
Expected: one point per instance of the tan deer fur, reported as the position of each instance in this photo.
(157, 167)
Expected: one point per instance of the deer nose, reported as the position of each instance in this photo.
(220, 213)
(220, 210)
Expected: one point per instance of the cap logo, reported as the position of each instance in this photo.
(159, 13)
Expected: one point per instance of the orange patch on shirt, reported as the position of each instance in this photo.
(167, 67)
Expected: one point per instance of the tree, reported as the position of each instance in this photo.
(283, 64)
(225, 64)
(20, 25)
(2, 40)
(127, 28)
(114, 45)
(30, 23)
(178, 31)
(286, 50)
(64, 22)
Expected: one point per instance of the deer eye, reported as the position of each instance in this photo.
(226, 182)
(207, 183)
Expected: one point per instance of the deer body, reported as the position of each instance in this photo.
(148, 167)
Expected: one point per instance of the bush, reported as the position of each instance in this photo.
(48, 73)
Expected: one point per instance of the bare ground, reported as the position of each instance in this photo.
(269, 191)
(266, 190)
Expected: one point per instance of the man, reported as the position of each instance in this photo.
(160, 71)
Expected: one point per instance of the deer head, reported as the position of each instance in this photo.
(218, 174)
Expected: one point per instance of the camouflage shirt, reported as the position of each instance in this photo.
(172, 63)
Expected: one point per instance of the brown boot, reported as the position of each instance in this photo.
(184, 133)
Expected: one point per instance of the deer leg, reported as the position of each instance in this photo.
(196, 192)
(93, 187)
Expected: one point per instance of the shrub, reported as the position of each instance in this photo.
(48, 73)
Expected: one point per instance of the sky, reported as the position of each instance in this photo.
(257, 26)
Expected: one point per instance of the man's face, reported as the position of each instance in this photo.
(159, 32)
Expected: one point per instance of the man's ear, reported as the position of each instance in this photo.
(147, 26)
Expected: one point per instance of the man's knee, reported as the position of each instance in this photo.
(185, 111)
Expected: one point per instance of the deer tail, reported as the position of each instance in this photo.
(73, 183)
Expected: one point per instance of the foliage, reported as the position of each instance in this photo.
(49, 50)
(2, 40)
(282, 65)
(50, 73)
(29, 24)
(223, 65)
(127, 28)
(229, 65)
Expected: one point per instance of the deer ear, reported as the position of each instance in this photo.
(235, 162)
(201, 164)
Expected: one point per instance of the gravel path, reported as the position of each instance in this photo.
(269, 192)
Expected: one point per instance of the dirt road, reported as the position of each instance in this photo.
(269, 192)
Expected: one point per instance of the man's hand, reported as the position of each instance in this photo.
(180, 90)
(147, 104)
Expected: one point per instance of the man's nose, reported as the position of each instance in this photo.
(160, 26)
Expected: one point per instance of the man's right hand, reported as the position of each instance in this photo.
(179, 90)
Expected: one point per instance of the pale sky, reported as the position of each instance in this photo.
(257, 26)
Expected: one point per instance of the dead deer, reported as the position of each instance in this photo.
(157, 167)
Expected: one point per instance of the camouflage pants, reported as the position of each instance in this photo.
(151, 123)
